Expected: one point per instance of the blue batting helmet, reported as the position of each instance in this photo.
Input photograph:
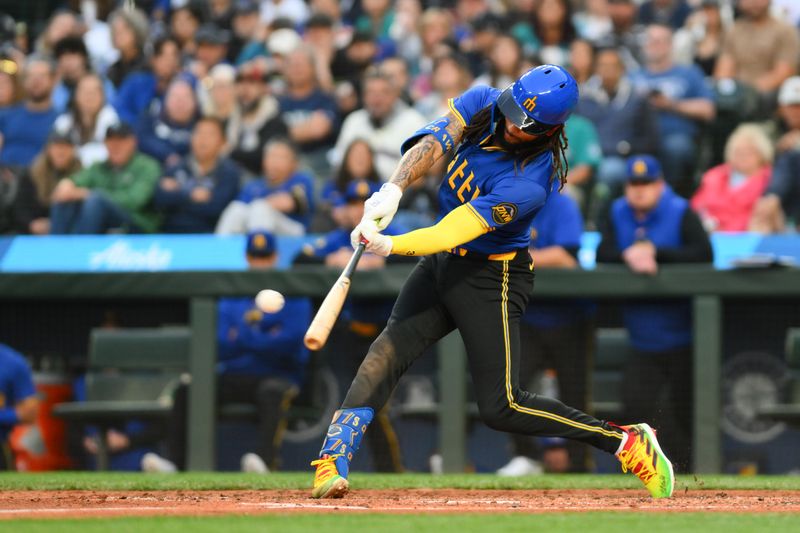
(541, 98)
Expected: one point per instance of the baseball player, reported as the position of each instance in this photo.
(476, 273)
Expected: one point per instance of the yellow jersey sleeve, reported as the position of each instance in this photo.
(459, 226)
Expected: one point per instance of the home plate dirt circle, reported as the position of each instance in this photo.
(79, 504)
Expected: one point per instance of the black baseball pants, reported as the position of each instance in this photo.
(484, 299)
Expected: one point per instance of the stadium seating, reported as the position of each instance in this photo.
(132, 374)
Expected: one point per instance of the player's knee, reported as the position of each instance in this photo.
(498, 416)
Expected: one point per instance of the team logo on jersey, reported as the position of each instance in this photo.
(504, 213)
(530, 104)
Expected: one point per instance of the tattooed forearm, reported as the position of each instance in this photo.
(419, 159)
(416, 162)
(455, 128)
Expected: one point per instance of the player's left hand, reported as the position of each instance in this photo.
(377, 243)
(382, 205)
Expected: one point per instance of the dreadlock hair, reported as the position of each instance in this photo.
(554, 140)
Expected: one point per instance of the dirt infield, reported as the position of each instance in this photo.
(81, 504)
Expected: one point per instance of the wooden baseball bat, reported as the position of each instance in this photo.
(320, 328)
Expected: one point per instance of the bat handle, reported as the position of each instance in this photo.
(351, 265)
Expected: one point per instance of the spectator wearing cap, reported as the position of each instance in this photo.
(362, 319)
(280, 201)
(728, 192)
(115, 193)
(72, 64)
(682, 101)
(262, 361)
(57, 161)
(129, 30)
(651, 226)
(670, 13)
(212, 49)
(384, 122)
(781, 200)
(309, 112)
(246, 28)
(256, 120)
(625, 121)
(24, 127)
(146, 88)
(88, 118)
(759, 50)
(165, 131)
(194, 192)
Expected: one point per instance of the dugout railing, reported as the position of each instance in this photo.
(707, 288)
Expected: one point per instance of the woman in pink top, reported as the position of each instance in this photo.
(729, 191)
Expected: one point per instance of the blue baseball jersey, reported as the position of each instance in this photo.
(255, 343)
(16, 383)
(502, 195)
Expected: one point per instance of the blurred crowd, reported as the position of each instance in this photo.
(280, 117)
(230, 116)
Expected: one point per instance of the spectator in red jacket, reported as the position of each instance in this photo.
(729, 191)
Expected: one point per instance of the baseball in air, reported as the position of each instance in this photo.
(270, 301)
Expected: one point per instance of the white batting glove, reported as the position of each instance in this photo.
(377, 243)
(382, 205)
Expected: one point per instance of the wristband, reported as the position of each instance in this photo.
(437, 129)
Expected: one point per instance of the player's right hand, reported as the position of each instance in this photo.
(364, 228)
(382, 205)
(367, 231)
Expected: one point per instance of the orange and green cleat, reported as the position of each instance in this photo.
(327, 481)
(642, 456)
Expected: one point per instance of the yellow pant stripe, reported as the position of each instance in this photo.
(509, 391)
